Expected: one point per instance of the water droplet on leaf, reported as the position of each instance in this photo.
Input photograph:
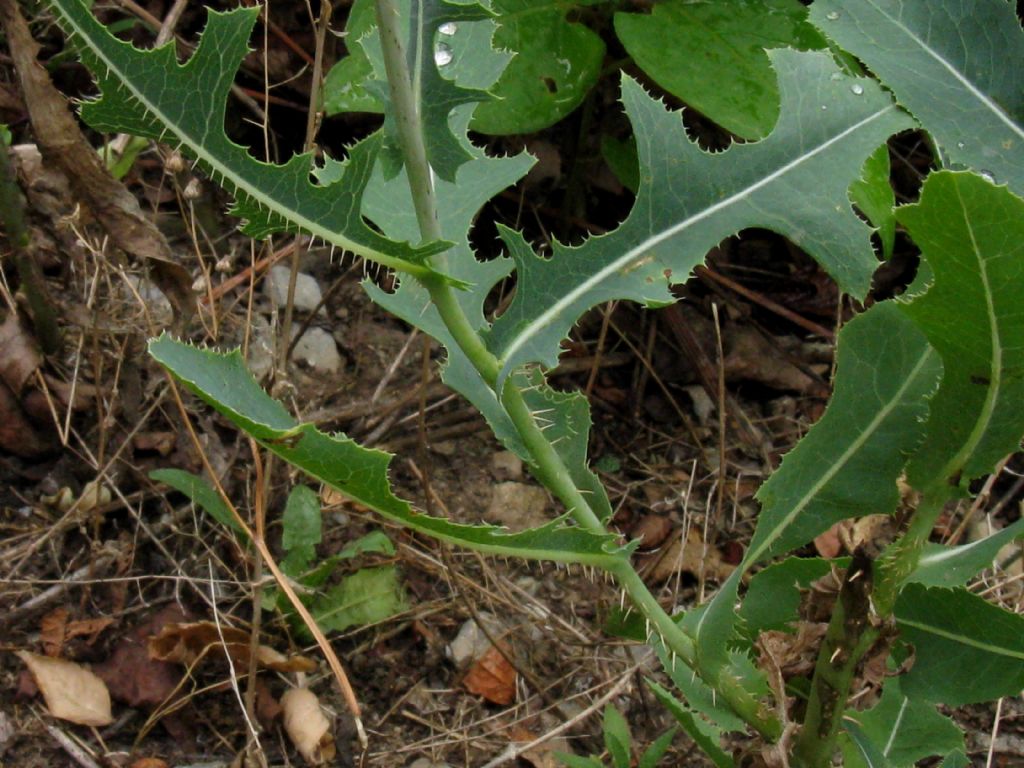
(857, 89)
(832, 15)
(448, 28)
(824, 107)
(960, 145)
(988, 176)
(443, 55)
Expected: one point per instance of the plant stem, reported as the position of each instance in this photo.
(849, 636)
(548, 466)
(406, 114)
(897, 563)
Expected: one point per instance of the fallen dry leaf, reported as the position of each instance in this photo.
(131, 675)
(186, 643)
(17, 435)
(55, 630)
(542, 755)
(492, 677)
(51, 631)
(693, 557)
(71, 692)
(19, 354)
(149, 762)
(62, 143)
(306, 726)
(828, 544)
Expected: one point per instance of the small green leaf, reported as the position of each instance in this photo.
(772, 601)
(956, 760)
(375, 542)
(706, 736)
(873, 194)
(958, 67)
(906, 730)
(368, 596)
(712, 55)
(966, 650)
(972, 235)
(201, 494)
(620, 154)
(653, 754)
(556, 64)
(617, 739)
(300, 530)
(942, 566)
(575, 761)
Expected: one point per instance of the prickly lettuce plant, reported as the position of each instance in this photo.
(927, 386)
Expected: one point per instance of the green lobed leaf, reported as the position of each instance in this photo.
(847, 464)
(860, 750)
(703, 734)
(794, 182)
(368, 596)
(564, 416)
(451, 62)
(772, 601)
(873, 194)
(699, 696)
(222, 381)
(958, 67)
(345, 86)
(149, 94)
(300, 530)
(943, 566)
(966, 650)
(904, 730)
(556, 63)
(713, 55)
(972, 235)
(201, 494)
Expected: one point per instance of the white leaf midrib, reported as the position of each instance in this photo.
(566, 301)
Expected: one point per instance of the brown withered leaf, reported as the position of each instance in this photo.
(542, 755)
(492, 677)
(131, 675)
(51, 631)
(149, 762)
(62, 143)
(71, 691)
(307, 727)
(17, 435)
(55, 630)
(186, 643)
(20, 357)
(692, 556)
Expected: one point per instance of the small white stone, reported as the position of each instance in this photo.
(307, 290)
(317, 350)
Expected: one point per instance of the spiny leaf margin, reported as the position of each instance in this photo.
(794, 182)
(149, 94)
(223, 382)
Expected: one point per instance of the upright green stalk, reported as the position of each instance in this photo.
(547, 465)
